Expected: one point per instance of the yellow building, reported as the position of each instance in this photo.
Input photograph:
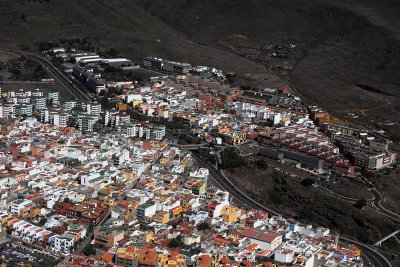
(163, 113)
(109, 201)
(161, 146)
(199, 187)
(185, 163)
(136, 102)
(129, 175)
(161, 217)
(356, 249)
(186, 204)
(149, 236)
(126, 255)
(25, 212)
(35, 211)
(5, 221)
(234, 138)
(122, 106)
(230, 213)
(178, 260)
(178, 210)
(10, 223)
(163, 160)
(326, 118)
(174, 187)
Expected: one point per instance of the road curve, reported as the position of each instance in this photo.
(377, 259)
(233, 190)
(54, 71)
(376, 204)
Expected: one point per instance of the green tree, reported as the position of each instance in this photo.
(231, 159)
(308, 182)
(261, 164)
(89, 250)
(360, 203)
(175, 242)
(42, 222)
(203, 226)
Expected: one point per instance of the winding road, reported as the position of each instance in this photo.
(374, 257)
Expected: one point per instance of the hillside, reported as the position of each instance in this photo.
(120, 24)
(339, 45)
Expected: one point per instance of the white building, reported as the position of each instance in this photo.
(19, 204)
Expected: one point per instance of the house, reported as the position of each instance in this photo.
(21, 207)
(63, 243)
(264, 239)
(107, 236)
(230, 213)
(161, 217)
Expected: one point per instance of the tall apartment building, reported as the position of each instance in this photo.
(155, 132)
(36, 92)
(23, 110)
(68, 105)
(54, 96)
(61, 119)
(6, 110)
(93, 108)
(86, 124)
(39, 102)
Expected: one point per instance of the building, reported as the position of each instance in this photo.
(146, 210)
(167, 66)
(93, 108)
(23, 110)
(39, 102)
(230, 213)
(367, 157)
(21, 207)
(155, 132)
(87, 122)
(279, 154)
(161, 217)
(6, 110)
(53, 96)
(107, 236)
(234, 138)
(95, 85)
(63, 243)
(116, 62)
(68, 105)
(89, 211)
(264, 239)
(61, 119)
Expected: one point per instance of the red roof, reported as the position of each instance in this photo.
(265, 236)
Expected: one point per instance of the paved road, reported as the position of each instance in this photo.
(54, 71)
(233, 191)
(376, 205)
(376, 259)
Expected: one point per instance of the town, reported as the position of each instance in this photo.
(118, 174)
